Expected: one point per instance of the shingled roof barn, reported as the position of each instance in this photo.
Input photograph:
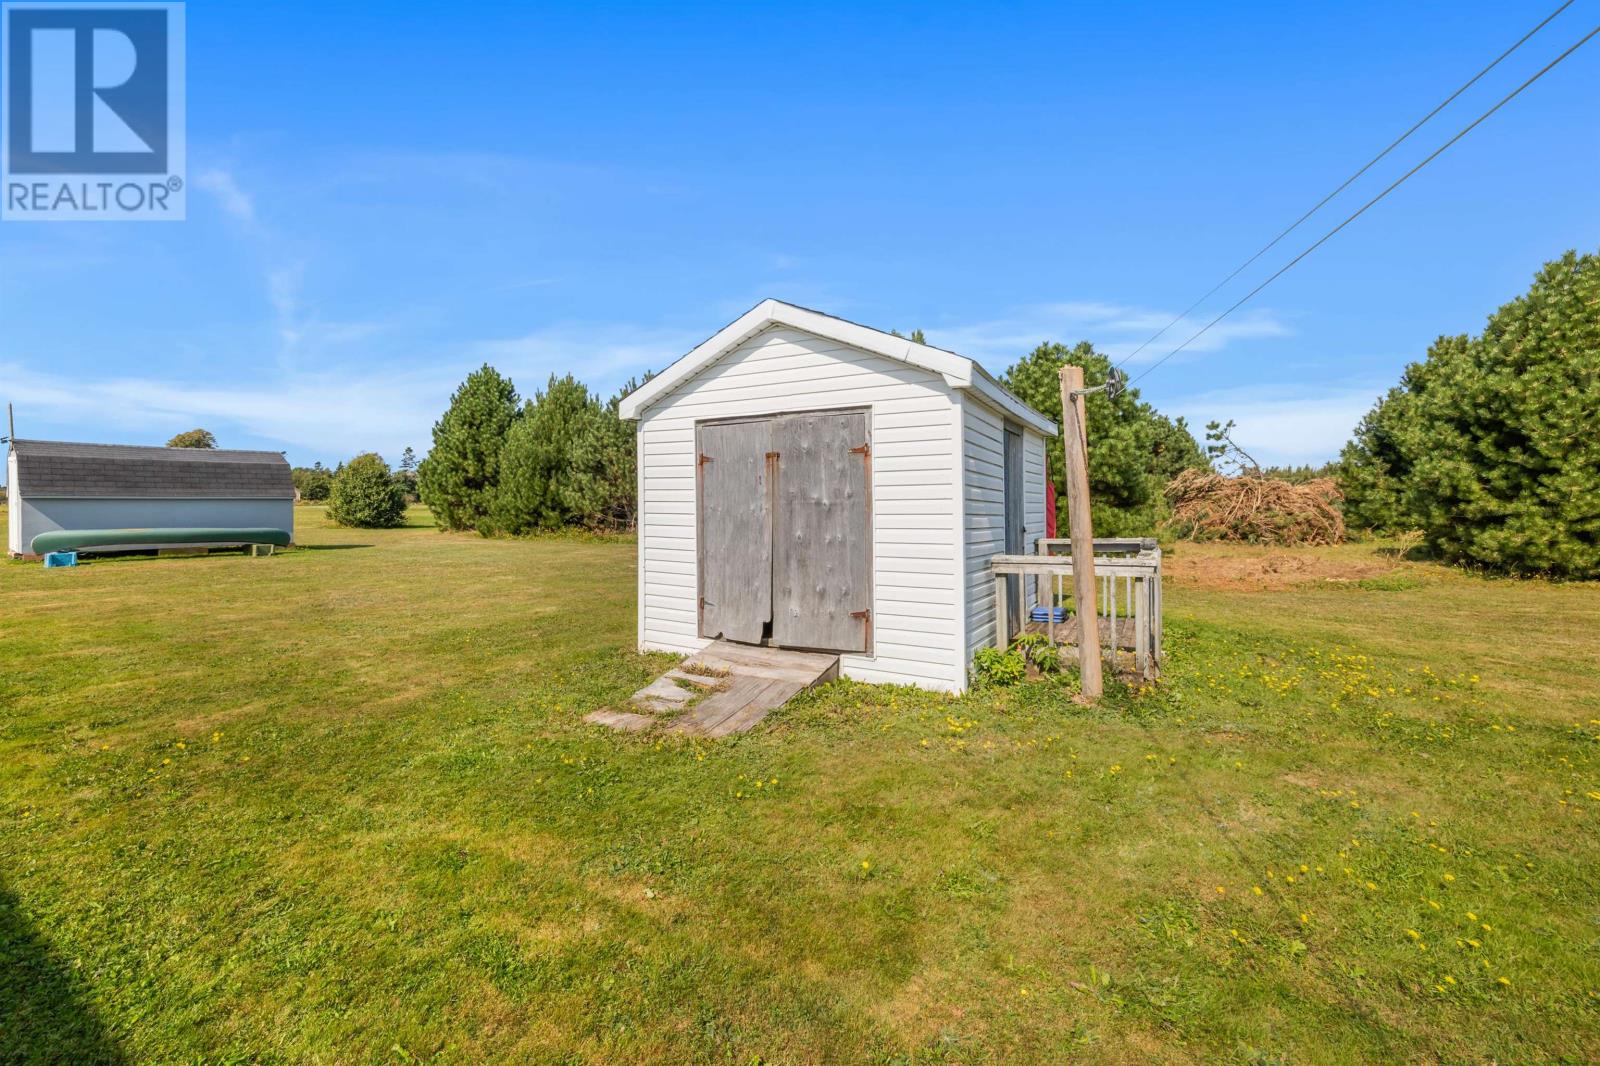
(145, 495)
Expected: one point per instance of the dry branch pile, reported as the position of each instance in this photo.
(1255, 509)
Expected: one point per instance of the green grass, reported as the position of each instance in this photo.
(339, 806)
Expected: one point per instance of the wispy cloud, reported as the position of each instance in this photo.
(601, 355)
(1115, 329)
(1282, 424)
(334, 413)
(221, 183)
(330, 415)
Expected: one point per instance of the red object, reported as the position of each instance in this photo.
(1049, 501)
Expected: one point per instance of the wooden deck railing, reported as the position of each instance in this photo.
(1130, 578)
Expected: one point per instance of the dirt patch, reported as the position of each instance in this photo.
(1250, 569)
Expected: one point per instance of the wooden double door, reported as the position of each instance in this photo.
(784, 530)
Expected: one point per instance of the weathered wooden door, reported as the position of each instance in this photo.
(735, 530)
(822, 537)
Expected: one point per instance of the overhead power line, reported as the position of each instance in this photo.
(1363, 208)
(1320, 204)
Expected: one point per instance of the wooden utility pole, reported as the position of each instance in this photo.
(1075, 444)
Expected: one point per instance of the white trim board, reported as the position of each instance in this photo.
(958, 371)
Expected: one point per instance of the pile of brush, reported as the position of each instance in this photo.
(1255, 509)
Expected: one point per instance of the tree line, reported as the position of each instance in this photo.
(1491, 444)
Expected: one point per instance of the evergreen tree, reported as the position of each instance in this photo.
(1133, 449)
(604, 489)
(536, 469)
(364, 494)
(406, 475)
(458, 478)
(1505, 454)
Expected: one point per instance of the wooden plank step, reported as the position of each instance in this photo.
(663, 690)
(624, 720)
(698, 680)
(806, 668)
(746, 701)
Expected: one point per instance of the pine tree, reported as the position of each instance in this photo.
(535, 488)
(1505, 454)
(458, 478)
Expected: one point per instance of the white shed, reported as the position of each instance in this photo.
(140, 497)
(808, 482)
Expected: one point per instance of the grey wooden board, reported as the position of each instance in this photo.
(745, 702)
(698, 680)
(821, 533)
(666, 690)
(735, 532)
(778, 664)
(623, 720)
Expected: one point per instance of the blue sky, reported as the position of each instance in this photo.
(385, 196)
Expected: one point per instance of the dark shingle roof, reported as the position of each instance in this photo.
(61, 468)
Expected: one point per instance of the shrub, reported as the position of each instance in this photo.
(993, 667)
(365, 495)
(1037, 650)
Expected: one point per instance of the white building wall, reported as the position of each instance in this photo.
(916, 564)
(1033, 509)
(33, 515)
(984, 476)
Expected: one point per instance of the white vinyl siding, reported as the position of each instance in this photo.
(33, 515)
(985, 520)
(1033, 516)
(984, 475)
(915, 565)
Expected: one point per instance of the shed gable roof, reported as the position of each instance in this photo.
(958, 371)
(48, 468)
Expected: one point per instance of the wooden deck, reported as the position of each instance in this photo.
(727, 688)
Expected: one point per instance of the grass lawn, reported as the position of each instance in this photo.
(339, 806)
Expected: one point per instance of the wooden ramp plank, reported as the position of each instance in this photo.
(779, 664)
(751, 683)
(624, 720)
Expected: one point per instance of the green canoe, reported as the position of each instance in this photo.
(68, 540)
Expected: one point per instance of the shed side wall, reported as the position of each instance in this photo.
(984, 475)
(916, 570)
(44, 515)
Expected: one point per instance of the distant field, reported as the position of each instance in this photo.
(339, 806)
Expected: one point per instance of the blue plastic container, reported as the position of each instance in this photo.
(1042, 614)
(55, 559)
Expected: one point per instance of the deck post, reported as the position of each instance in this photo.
(1002, 614)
